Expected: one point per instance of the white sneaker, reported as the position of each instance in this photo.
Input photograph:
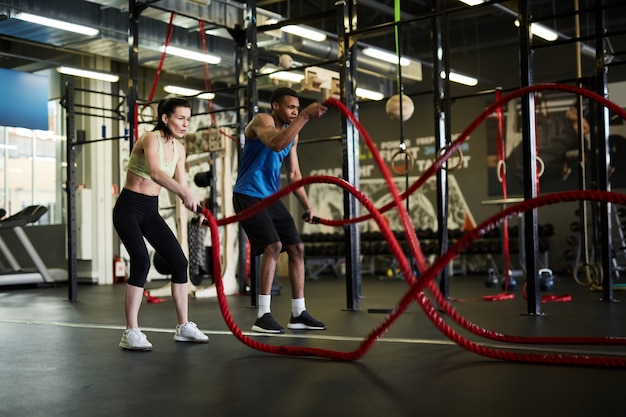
(134, 339)
(189, 332)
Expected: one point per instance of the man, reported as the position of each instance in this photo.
(271, 142)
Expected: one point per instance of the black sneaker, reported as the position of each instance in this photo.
(305, 322)
(267, 324)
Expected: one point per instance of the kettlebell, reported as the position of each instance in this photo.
(492, 279)
(546, 279)
(512, 283)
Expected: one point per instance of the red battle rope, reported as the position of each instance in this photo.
(426, 278)
(501, 173)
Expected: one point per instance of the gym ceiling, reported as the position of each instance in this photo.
(481, 41)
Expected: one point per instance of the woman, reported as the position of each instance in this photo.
(157, 160)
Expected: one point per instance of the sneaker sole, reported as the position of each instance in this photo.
(262, 330)
(139, 349)
(190, 339)
(300, 326)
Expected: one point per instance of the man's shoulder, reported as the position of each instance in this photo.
(258, 123)
(263, 118)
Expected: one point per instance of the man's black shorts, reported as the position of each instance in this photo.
(272, 224)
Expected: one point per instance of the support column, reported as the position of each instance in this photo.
(241, 103)
(603, 156)
(253, 109)
(134, 10)
(70, 189)
(441, 98)
(530, 163)
(347, 18)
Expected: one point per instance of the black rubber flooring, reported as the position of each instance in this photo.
(61, 359)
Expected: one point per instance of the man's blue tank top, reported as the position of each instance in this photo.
(259, 170)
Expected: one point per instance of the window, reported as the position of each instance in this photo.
(30, 168)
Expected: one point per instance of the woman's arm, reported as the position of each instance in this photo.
(177, 184)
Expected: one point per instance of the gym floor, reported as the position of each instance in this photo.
(62, 359)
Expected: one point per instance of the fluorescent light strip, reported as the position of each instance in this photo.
(290, 76)
(57, 24)
(385, 56)
(196, 56)
(89, 74)
(369, 94)
(544, 32)
(188, 92)
(460, 78)
(536, 29)
(473, 2)
(304, 33)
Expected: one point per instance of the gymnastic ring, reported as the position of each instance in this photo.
(147, 110)
(599, 278)
(589, 279)
(408, 163)
(543, 166)
(458, 164)
(501, 167)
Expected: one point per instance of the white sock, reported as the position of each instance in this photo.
(297, 306)
(264, 304)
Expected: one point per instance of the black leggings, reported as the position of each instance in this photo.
(136, 216)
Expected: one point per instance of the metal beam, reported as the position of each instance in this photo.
(346, 23)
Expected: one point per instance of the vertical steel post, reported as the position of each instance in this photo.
(346, 23)
(243, 239)
(530, 163)
(441, 88)
(70, 189)
(253, 109)
(134, 10)
(603, 156)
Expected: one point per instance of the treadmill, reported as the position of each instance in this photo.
(14, 274)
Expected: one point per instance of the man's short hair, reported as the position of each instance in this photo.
(281, 92)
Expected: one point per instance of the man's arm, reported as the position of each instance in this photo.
(292, 165)
(262, 127)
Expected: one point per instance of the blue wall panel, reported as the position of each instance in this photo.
(23, 100)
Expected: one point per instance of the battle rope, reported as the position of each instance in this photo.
(452, 148)
(415, 293)
(501, 173)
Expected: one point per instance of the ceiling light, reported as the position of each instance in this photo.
(188, 92)
(57, 24)
(385, 56)
(369, 94)
(542, 31)
(460, 78)
(473, 2)
(290, 76)
(112, 78)
(536, 29)
(304, 33)
(196, 56)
